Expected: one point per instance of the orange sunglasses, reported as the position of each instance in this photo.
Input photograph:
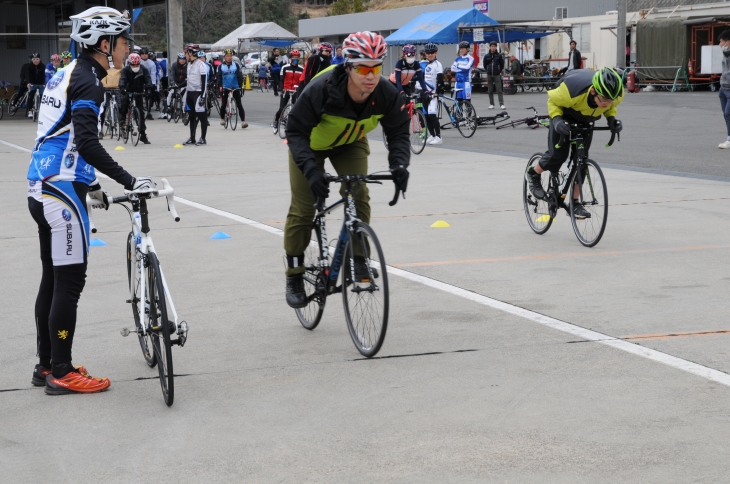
(365, 70)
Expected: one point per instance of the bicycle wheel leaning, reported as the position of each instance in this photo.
(594, 199)
(160, 325)
(467, 119)
(418, 132)
(134, 271)
(314, 286)
(537, 211)
(282, 121)
(365, 290)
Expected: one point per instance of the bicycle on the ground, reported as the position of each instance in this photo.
(131, 128)
(33, 103)
(149, 294)
(280, 125)
(112, 119)
(580, 174)
(231, 113)
(356, 263)
(533, 122)
(462, 114)
(417, 126)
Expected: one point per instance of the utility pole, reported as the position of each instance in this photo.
(620, 34)
(243, 12)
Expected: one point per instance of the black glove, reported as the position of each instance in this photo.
(400, 177)
(320, 188)
(615, 125)
(123, 91)
(561, 127)
(426, 99)
(405, 97)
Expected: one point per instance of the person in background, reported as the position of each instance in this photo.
(337, 58)
(273, 61)
(164, 79)
(111, 81)
(52, 66)
(195, 94)
(284, 60)
(151, 68)
(263, 77)
(230, 80)
(291, 75)
(725, 84)
(516, 69)
(179, 74)
(574, 58)
(65, 58)
(423, 59)
(462, 68)
(316, 63)
(494, 65)
(434, 77)
(135, 79)
(32, 74)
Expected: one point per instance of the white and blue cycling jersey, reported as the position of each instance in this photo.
(462, 68)
(229, 75)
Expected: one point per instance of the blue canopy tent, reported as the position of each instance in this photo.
(438, 27)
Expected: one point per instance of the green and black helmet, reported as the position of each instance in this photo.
(608, 84)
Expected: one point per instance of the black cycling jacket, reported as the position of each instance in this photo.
(131, 81)
(179, 73)
(33, 74)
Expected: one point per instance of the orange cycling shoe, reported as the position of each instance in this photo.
(40, 373)
(75, 382)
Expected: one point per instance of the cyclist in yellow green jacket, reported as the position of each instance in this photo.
(581, 97)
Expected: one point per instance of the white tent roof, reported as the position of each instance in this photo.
(269, 30)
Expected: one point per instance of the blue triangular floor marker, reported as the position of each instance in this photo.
(219, 236)
(97, 243)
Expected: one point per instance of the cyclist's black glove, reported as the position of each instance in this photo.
(561, 127)
(320, 188)
(426, 99)
(405, 97)
(400, 177)
(615, 125)
(123, 91)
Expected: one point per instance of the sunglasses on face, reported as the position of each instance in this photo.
(36, 58)
(410, 55)
(365, 70)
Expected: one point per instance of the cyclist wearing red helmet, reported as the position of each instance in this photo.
(291, 75)
(136, 80)
(331, 119)
(52, 66)
(407, 70)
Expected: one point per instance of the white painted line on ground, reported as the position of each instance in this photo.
(586, 334)
(15, 146)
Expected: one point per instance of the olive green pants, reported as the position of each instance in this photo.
(350, 159)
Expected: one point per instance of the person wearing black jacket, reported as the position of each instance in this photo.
(316, 64)
(494, 65)
(135, 79)
(273, 61)
(574, 58)
(32, 73)
(178, 76)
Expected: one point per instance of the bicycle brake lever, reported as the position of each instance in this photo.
(395, 198)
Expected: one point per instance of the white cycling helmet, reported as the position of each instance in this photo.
(91, 25)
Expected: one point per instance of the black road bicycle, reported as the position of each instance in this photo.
(533, 122)
(578, 171)
(355, 267)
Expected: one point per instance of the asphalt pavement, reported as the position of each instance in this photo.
(509, 357)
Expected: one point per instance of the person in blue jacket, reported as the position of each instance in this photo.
(52, 66)
(462, 68)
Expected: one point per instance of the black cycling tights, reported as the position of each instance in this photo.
(195, 116)
(432, 121)
(58, 298)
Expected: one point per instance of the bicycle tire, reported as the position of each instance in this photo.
(233, 110)
(13, 105)
(135, 127)
(419, 133)
(282, 121)
(177, 108)
(359, 297)
(127, 126)
(275, 126)
(117, 122)
(36, 105)
(537, 211)
(314, 286)
(161, 341)
(2, 101)
(467, 119)
(594, 198)
(133, 273)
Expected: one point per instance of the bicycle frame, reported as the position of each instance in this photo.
(453, 111)
(332, 271)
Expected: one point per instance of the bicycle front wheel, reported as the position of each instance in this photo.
(134, 271)
(315, 286)
(282, 121)
(365, 290)
(537, 211)
(160, 328)
(13, 105)
(419, 133)
(467, 120)
(177, 109)
(234, 115)
(594, 200)
(134, 128)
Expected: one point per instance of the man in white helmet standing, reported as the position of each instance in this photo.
(62, 172)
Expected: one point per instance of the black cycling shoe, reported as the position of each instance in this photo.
(579, 212)
(296, 297)
(535, 184)
(201, 142)
(361, 270)
(144, 140)
(189, 141)
(39, 376)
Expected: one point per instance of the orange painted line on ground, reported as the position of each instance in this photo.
(647, 337)
(588, 253)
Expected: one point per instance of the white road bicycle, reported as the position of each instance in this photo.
(149, 294)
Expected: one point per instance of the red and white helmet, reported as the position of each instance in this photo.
(409, 50)
(295, 53)
(134, 59)
(364, 47)
(55, 57)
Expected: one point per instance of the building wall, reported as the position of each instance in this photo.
(41, 20)
(537, 10)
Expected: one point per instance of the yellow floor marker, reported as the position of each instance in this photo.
(178, 146)
(543, 219)
(119, 148)
(440, 224)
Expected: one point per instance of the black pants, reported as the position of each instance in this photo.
(237, 98)
(554, 157)
(195, 116)
(275, 79)
(285, 95)
(124, 108)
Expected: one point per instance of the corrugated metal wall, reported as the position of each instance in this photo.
(41, 21)
(536, 10)
(636, 5)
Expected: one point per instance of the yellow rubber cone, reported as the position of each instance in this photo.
(248, 83)
(178, 146)
(119, 148)
(543, 219)
(440, 224)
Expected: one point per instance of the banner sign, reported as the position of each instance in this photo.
(482, 6)
(478, 35)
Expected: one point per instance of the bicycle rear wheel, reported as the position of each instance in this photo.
(282, 121)
(467, 119)
(314, 286)
(13, 105)
(594, 199)
(134, 128)
(418, 132)
(365, 290)
(134, 271)
(160, 325)
(537, 211)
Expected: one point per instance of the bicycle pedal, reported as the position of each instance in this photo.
(125, 332)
